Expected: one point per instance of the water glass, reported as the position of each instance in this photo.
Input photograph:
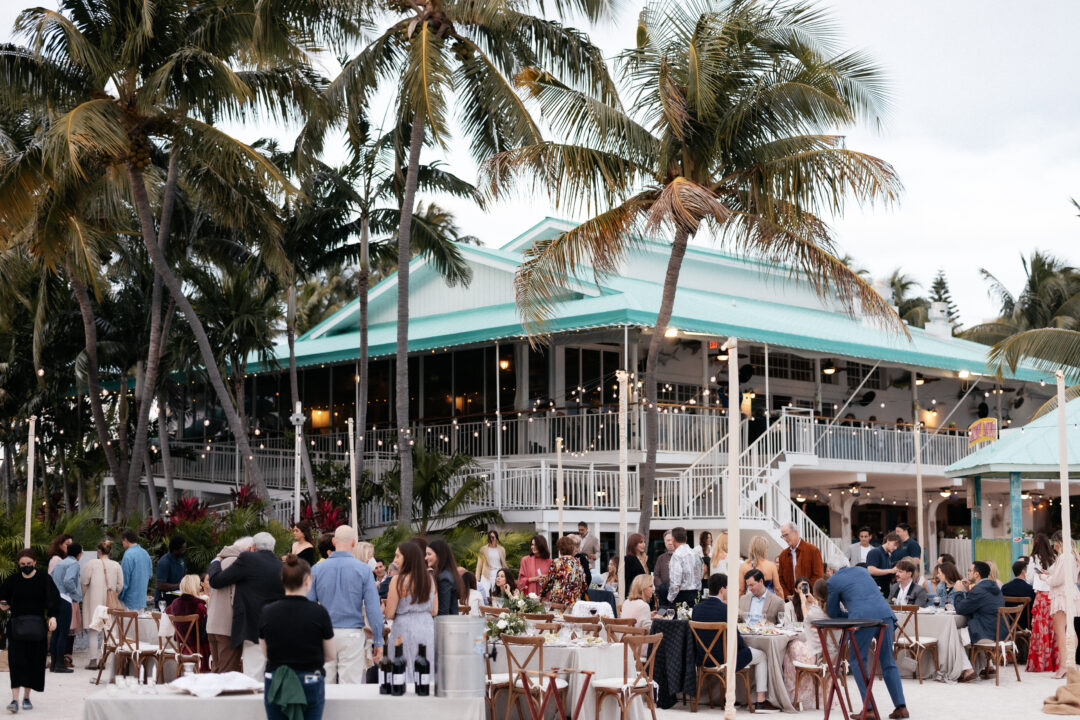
(161, 606)
(781, 619)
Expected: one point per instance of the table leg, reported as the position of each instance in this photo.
(835, 686)
(868, 697)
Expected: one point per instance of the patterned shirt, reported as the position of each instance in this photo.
(685, 571)
(565, 582)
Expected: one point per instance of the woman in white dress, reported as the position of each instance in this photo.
(490, 559)
(101, 576)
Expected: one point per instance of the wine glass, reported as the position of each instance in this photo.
(781, 619)
(161, 606)
(937, 602)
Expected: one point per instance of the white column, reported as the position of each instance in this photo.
(731, 514)
(622, 375)
(1066, 520)
(31, 458)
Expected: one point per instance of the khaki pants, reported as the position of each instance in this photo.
(224, 657)
(350, 664)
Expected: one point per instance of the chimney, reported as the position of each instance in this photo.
(937, 323)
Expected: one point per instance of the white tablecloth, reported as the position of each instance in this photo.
(945, 627)
(584, 608)
(341, 704)
(605, 661)
(774, 647)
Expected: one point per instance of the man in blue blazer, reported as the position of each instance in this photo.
(856, 590)
(980, 604)
(714, 609)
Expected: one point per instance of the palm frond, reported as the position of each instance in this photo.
(1047, 350)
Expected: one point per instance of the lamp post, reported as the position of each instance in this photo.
(731, 513)
(352, 478)
(31, 457)
(622, 376)
(297, 420)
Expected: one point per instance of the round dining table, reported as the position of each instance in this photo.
(775, 648)
(947, 628)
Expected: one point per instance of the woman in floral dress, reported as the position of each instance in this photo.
(565, 582)
(1043, 649)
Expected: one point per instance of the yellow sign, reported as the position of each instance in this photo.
(982, 431)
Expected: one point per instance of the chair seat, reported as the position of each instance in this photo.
(503, 679)
(923, 640)
(499, 679)
(618, 683)
(809, 666)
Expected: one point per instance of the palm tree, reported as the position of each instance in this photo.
(912, 310)
(731, 103)
(1050, 299)
(437, 52)
(124, 77)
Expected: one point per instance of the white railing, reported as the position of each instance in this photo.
(885, 444)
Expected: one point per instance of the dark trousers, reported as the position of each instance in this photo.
(889, 672)
(690, 597)
(315, 690)
(661, 596)
(58, 641)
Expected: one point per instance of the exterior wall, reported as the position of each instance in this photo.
(429, 295)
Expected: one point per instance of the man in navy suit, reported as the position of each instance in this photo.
(714, 609)
(856, 590)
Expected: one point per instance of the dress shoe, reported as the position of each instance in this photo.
(869, 715)
(766, 707)
(968, 676)
(62, 670)
(900, 712)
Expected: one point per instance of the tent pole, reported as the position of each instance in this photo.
(731, 514)
(1066, 521)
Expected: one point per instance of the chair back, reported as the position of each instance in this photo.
(548, 627)
(524, 654)
(185, 626)
(1023, 602)
(538, 617)
(616, 633)
(719, 630)
(491, 611)
(1008, 618)
(126, 630)
(586, 619)
(584, 629)
(557, 607)
(909, 625)
(643, 649)
(610, 623)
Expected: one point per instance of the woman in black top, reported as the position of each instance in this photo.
(440, 558)
(303, 545)
(504, 585)
(31, 596)
(635, 551)
(297, 634)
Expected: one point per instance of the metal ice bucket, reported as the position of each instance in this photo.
(459, 656)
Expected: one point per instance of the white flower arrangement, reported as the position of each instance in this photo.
(510, 623)
(521, 603)
(682, 612)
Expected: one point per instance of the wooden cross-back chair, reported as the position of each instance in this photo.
(186, 648)
(617, 633)
(818, 673)
(908, 640)
(527, 677)
(492, 611)
(123, 635)
(1001, 647)
(610, 623)
(711, 669)
(639, 653)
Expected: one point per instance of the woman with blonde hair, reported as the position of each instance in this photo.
(757, 560)
(1060, 585)
(365, 553)
(639, 603)
(189, 603)
(719, 553)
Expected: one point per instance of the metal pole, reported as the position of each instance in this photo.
(917, 427)
(1066, 520)
(559, 489)
(297, 419)
(768, 400)
(498, 422)
(731, 513)
(31, 457)
(352, 477)
(622, 376)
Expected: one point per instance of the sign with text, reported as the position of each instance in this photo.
(982, 431)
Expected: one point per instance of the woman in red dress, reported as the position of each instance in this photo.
(1043, 650)
(189, 603)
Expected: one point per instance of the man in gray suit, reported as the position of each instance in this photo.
(758, 604)
(906, 591)
(857, 552)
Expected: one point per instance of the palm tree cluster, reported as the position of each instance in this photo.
(144, 242)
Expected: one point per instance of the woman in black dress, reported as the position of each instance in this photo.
(303, 545)
(440, 558)
(31, 596)
(635, 560)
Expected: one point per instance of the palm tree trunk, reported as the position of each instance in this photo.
(161, 265)
(294, 386)
(153, 355)
(401, 371)
(652, 410)
(117, 466)
(163, 440)
(362, 371)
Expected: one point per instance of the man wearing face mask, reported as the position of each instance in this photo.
(31, 596)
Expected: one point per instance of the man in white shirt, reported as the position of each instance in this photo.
(685, 571)
(857, 552)
(905, 591)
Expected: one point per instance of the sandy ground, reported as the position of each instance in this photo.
(62, 699)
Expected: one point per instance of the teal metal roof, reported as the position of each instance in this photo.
(621, 300)
(1031, 450)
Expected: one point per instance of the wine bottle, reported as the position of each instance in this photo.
(386, 674)
(398, 683)
(422, 670)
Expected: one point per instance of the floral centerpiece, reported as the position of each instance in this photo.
(682, 612)
(519, 602)
(509, 623)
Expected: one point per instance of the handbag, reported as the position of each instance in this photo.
(112, 597)
(27, 628)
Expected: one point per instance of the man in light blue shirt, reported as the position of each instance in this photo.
(347, 589)
(66, 577)
(138, 569)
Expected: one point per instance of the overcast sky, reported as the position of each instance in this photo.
(983, 134)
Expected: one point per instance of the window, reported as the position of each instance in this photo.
(857, 371)
(784, 366)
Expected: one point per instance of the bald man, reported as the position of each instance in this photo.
(347, 589)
